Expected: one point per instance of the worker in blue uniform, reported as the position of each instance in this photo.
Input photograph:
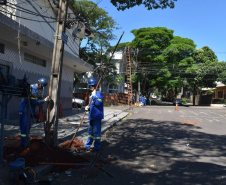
(140, 98)
(144, 100)
(96, 114)
(35, 93)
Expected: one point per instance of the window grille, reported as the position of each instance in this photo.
(34, 60)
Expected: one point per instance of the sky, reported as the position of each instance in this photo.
(203, 21)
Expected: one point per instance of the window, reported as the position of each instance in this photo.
(220, 94)
(34, 60)
(4, 71)
(2, 48)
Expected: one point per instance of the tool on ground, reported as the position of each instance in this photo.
(95, 89)
(65, 164)
(98, 167)
(92, 162)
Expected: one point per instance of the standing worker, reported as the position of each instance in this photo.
(144, 100)
(96, 114)
(150, 99)
(35, 90)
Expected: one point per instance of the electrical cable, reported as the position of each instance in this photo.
(33, 13)
(24, 17)
(29, 12)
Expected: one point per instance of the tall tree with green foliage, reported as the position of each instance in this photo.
(178, 56)
(222, 72)
(204, 71)
(92, 48)
(149, 4)
(101, 23)
(150, 43)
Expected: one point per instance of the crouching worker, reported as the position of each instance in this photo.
(96, 114)
(35, 93)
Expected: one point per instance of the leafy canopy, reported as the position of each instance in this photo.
(100, 22)
(149, 4)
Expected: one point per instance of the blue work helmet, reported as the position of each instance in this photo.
(92, 81)
(43, 82)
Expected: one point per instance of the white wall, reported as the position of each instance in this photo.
(44, 25)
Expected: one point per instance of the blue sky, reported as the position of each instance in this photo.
(203, 21)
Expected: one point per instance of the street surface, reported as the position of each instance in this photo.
(158, 145)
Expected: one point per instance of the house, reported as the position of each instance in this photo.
(220, 91)
(104, 87)
(27, 37)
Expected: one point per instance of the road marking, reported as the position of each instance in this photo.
(216, 120)
(194, 113)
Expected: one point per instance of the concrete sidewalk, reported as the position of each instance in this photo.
(67, 125)
(66, 129)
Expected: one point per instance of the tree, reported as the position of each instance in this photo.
(121, 47)
(150, 4)
(101, 23)
(151, 42)
(93, 47)
(178, 56)
(222, 72)
(204, 72)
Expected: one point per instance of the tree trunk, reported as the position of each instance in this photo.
(176, 92)
(194, 90)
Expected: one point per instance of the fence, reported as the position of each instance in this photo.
(109, 98)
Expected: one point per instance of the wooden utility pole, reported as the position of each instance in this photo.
(56, 73)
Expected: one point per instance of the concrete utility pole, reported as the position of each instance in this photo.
(56, 73)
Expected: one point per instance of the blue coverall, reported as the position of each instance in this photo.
(23, 111)
(140, 99)
(96, 114)
(144, 100)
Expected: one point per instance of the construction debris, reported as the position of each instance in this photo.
(39, 152)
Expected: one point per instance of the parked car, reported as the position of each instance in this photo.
(78, 101)
(178, 101)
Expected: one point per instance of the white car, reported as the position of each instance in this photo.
(78, 101)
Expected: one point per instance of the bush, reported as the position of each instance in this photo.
(185, 100)
(154, 101)
(218, 101)
(107, 105)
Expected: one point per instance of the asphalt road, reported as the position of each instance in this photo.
(158, 145)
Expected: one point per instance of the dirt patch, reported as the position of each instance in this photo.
(39, 152)
(187, 122)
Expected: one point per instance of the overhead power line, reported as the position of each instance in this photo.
(8, 12)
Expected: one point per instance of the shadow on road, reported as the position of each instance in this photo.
(153, 152)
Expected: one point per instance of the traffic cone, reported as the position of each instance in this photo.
(60, 111)
(176, 106)
(40, 115)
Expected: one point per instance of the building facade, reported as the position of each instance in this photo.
(27, 37)
(105, 87)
